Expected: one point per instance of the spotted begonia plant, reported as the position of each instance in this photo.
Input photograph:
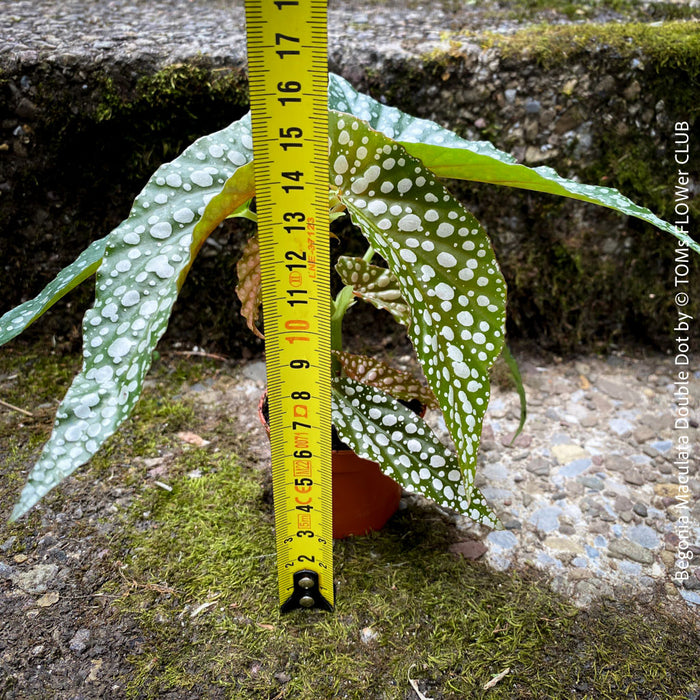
(441, 280)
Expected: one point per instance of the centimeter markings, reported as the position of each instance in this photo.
(288, 73)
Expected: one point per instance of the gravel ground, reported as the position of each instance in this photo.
(589, 492)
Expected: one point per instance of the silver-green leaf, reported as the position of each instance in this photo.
(444, 265)
(379, 428)
(145, 261)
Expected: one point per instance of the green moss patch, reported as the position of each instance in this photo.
(522, 9)
(160, 114)
(671, 44)
(202, 583)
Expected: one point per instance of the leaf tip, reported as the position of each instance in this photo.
(17, 512)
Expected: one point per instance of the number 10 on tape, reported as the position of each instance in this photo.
(288, 73)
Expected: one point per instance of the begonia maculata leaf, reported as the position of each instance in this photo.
(144, 264)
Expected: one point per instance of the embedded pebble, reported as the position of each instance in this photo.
(567, 453)
(79, 641)
(644, 536)
(640, 509)
(626, 549)
(539, 467)
(662, 446)
(565, 544)
(615, 390)
(48, 599)
(368, 635)
(469, 549)
(578, 466)
(691, 597)
(494, 472)
(546, 519)
(620, 426)
(501, 543)
(36, 579)
(593, 482)
(634, 477)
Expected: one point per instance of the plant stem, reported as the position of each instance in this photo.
(342, 303)
(339, 306)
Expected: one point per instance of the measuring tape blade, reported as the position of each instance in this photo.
(288, 74)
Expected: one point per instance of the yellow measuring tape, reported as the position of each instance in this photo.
(288, 74)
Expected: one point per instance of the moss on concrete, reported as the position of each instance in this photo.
(171, 108)
(673, 44)
(632, 9)
(202, 583)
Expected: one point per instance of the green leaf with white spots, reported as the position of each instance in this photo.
(16, 320)
(145, 261)
(376, 285)
(373, 372)
(249, 287)
(379, 428)
(444, 265)
(450, 156)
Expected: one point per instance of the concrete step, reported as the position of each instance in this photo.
(94, 96)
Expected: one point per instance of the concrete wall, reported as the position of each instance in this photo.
(91, 103)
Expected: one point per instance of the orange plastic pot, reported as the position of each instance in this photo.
(364, 498)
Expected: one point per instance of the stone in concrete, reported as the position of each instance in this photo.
(644, 536)
(625, 549)
(546, 519)
(566, 453)
(36, 579)
(576, 467)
